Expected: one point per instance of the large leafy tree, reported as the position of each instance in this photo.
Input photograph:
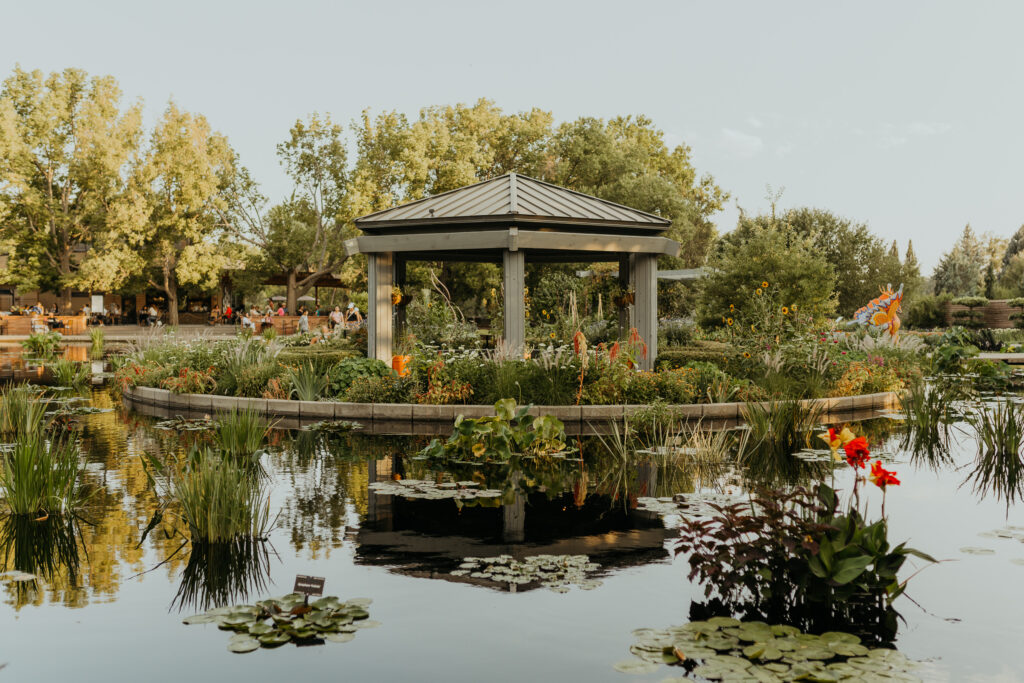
(961, 270)
(302, 237)
(180, 184)
(780, 255)
(66, 146)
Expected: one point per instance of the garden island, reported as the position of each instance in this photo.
(492, 400)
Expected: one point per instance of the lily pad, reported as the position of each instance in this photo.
(974, 550)
(242, 646)
(635, 666)
(339, 637)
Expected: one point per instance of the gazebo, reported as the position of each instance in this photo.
(509, 220)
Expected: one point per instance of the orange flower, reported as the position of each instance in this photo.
(579, 342)
(613, 353)
(765, 284)
(882, 477)
(857, 453)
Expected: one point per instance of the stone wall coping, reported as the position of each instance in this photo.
(416, 412)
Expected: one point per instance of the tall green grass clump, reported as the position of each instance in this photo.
(240, 433)
(998, 464)
(777, 430)
(39, 475)
(220, 499)
(96, 338)
(21, 411)
(270, 334)
(242, 362)
(929, 414)
(68, 373)
(308, 384)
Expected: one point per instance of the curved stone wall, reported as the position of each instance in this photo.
(574, 417)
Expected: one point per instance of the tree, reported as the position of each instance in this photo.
(180, 180)
(960, 270)
(1014, 246)
(911, 279)
(65, 149)
(303, 236)
(789, 261)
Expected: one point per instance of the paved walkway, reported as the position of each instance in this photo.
(122, 333)
(1011, 358)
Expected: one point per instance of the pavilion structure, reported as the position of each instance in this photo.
(509, 220)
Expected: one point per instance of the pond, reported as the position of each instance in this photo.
(359, 511)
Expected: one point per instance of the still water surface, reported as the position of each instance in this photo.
(114, 612)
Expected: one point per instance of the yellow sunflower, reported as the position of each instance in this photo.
(732, 307)
(758, 291)
(552, 335)
(728, 321)
(746, 354)
(764, 284)
(785, 310)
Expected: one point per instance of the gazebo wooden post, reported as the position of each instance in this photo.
(643, 275)
(380, 309)
(400, 280)
(624, 282)
(514, 271)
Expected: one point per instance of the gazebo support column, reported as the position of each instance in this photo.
(514, 269)
(400, 280)
(380, 313)
(624, 281)
(643, 274)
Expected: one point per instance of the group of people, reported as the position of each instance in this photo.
(104, 316)
(340, 320)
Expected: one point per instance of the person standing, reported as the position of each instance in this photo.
(304, 322)
(152, 315)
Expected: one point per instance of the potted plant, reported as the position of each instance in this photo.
(403, 356)
(396, 295)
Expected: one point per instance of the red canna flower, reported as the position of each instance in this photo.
(882, 477)
(857, 453)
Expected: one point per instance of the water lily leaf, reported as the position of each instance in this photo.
(367, 623)
(275, 639)
(784, 630)
(724, 621)
(360, 602)
(242, 646)
(839, 637)
(339, 637)
(199, 619)
(974, 550)
(635, 666)
(330, 602)
(260, 629)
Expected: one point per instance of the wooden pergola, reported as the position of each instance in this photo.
(510, 220)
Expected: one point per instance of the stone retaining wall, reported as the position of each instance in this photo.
(572, 416)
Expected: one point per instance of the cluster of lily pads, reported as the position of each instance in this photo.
(556, 572)
(1009, 533)
(690, 504)
(430, 490)
(333, 426)
(726, 649)
(276, 621)
(185, 424)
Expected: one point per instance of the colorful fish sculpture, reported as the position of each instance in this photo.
(882, 311)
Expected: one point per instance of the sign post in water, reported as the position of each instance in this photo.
(309, 585)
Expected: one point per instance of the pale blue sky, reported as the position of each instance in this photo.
(906, 115)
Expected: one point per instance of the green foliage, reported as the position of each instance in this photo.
(245, 362)
(96, 337)
(220, 499)
(383, 389)
(68, 373)
(433, 319)
(307, 383)
(21, 410)
(794, 270)
(702, 352)
(676, 333)
(347, 371)
(961, 270)
(926, 312)
(239, 434)
(793, 555)
(509, 432)
(43, 344)
(999, 465)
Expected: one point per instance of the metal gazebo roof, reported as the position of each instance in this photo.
(518, 199)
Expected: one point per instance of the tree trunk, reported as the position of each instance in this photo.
(65, 292)
(171, 289)
(291, 305)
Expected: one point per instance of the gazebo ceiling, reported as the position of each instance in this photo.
(513, 200)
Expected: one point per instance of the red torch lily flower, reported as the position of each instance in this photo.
(882, 477)
(857, 452)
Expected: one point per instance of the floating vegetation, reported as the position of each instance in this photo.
(726, 649)
(999, 464)
(557, 572)
(974, 550)
(701, 504)
(185, 424)
(277, 621)
(333, 426)
(431, 490)
(511, 431)
(75, 411)
(1008, 532)
(68, 373)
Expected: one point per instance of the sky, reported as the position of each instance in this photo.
(904, 115)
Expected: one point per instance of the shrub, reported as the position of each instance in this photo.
(43, 345)
(676, 332)
(256, 380)
(189, 381)
(387, 389)
(307, 383)
(926, 312)
(705, 351)
(346, 371)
